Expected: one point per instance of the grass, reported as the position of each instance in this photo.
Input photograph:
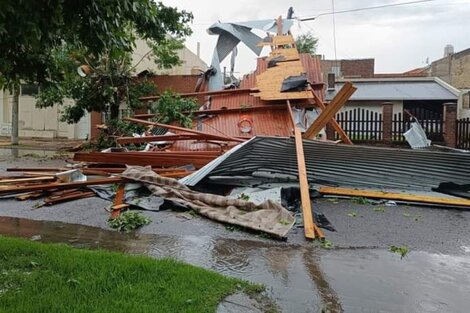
(36, 277)
(401, 250)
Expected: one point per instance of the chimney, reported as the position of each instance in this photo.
(331, 81)
(198, 50)
(448, 50)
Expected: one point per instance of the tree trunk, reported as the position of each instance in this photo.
(114, 108)
(15, 116)
(114, 112)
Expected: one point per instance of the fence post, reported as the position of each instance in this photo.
(330, 132)
(450, 124)
(387, 116)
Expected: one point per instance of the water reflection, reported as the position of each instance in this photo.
(301, 278)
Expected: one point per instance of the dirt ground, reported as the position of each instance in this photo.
(358, 274)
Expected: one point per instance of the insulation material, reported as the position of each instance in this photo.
(269, 217)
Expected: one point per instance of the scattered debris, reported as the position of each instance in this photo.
(259, 134)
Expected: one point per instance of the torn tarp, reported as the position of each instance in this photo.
(269, 217)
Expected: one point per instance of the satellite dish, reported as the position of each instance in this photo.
(84, 70)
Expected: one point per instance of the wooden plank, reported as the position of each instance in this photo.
(69, 197)
(118, 200)
(28, 180)
(330, 111)
(206, 93)
(393, 196)
(304, 189)
(154, 159)
(22, 189)
(289, 110)
(37, 169)
(145, 139)
(344, 137)
(182, 129)
(30, 195)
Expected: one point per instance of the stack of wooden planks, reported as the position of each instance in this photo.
(48, 184)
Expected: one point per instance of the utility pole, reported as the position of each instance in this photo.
(15, 115)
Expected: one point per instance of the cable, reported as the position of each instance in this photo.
(364, 9)
(334, 30)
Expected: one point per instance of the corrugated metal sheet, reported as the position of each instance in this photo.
(265, 123)
(396, 90)
(343, 165)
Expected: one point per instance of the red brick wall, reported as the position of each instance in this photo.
(358, 68)
(177, 83)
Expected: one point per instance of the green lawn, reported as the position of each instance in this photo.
(36, 277)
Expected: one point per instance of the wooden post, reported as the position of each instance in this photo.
(15, 116)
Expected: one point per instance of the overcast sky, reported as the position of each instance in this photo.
(399, 38)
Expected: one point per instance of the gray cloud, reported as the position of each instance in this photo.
(399, 38)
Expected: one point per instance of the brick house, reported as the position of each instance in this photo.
(349, 68)
(454, 69)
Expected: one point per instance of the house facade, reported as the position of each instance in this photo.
(45, 123)
(454, 69)
(403, 93)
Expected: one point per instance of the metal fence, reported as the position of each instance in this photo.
(431, 123)
(463, 133)
(361, 125)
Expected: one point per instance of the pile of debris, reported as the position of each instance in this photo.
(252, 142)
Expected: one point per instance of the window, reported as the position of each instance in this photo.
(29, 90)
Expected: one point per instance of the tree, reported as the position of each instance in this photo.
(32, 30)
(307, 43)
(109, 83)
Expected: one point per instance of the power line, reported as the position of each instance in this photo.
(334, 28)
(364, 9)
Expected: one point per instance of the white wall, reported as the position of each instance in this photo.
(190, 61)
(374, 106)
(40, 123)
(45, 123)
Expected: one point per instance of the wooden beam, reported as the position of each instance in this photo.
(28, 180)
(207, 93)
(330, 111)
(69, 197)
(344, 137)
(21, 189)
(145, 139)
(289, 110)
(37, 169)
(304, 189)
(154, 159)
(118, 200)
(182, 129)
(394, 196)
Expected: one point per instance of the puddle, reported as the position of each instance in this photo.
(301, 278)
(25, 152)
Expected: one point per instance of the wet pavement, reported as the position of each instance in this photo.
(358, 275)
(300, 278)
